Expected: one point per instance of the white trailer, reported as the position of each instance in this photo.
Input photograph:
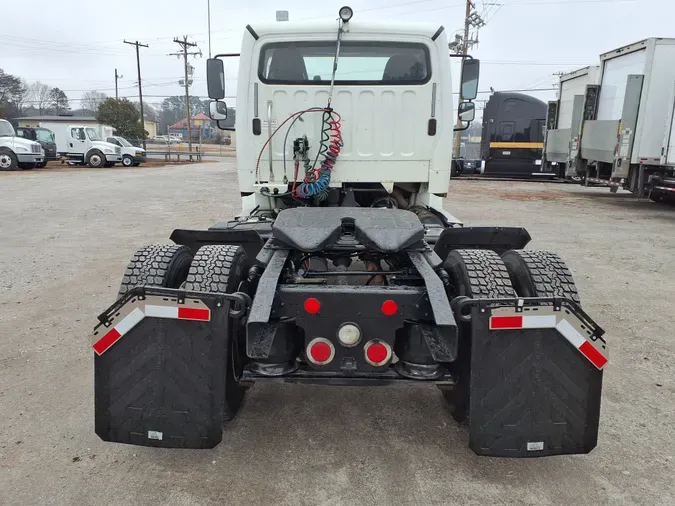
(565, 116)
(625, 142)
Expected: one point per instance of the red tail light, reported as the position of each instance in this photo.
(377, 352)
(312, 305)
(320, 351)
(389, 308)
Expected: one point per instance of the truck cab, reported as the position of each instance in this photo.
(16, 152)
(44, 137)
(82, 144)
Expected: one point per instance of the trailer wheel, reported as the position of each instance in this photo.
(162, 265)
(95, 159)
(223, 269)
(479, 274)
(540, 274)
(8, 160)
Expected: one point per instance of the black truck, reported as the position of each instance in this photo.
(46, 139)
(513, 136)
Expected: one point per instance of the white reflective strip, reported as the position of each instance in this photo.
(129, 321)
(570, 333)
(539, 322)
(161, 311)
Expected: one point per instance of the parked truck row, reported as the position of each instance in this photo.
(78, 144)
(613, 124)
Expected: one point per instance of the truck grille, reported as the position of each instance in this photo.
(35, 148)
(118, 151)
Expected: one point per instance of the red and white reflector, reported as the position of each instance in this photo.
(149, 310)
(578, 340)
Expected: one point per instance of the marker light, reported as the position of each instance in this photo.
(349, 334)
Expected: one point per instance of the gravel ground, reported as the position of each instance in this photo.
(67, 236)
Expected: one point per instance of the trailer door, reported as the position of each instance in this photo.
(613, 86)
(668, 153)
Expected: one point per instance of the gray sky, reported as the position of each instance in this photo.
(522, 45)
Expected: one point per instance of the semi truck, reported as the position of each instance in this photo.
(513, 136)
(625, 134)
(343, 267)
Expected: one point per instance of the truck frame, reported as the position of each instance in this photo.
(343, 268)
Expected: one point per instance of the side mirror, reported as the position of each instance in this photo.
(469, 84)
(466, 111)
(215, 78)
(218, 110)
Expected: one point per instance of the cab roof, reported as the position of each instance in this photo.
(329, 28)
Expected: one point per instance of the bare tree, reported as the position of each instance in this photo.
(39, 96)
(91, 100)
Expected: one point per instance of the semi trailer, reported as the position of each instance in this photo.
(342, 267)
(625, 133)
(513, 136)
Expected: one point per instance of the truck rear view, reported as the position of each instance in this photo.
(343, 268)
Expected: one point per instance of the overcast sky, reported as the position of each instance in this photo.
(76, 45)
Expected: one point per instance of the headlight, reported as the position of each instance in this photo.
(21, 149)
(109, 151)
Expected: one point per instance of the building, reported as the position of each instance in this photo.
(34, 121)
(200, 127)
(151, 127)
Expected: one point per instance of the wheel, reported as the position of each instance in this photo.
(107, 165)
(224, 269)
(136, 164)
(540, 274)
(42, 165)
(96, 160)
(479, 274)
(8, 160)
(127, 161)
(29, 166)
(162, 265)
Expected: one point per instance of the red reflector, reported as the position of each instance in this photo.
(312, 305)
(389, 308)
(589, 351)
(377, 352)
(194, 313)
(506, 322)
(320, 352)
(107, 341)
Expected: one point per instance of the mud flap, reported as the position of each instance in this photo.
(533, 391)
(160, 369)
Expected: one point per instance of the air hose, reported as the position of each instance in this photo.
(317, 181)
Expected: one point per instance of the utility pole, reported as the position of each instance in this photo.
(184, 44)
(117, 76)
(140, 90)
(208, 7)
(471, 18)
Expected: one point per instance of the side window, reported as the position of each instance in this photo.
(19, 133)
(77, 133)
(506, 130)
(112, 140)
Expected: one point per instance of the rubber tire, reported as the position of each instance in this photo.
(29, 166)
(127, 161)
(540, 274)
(42, 165)
(13, 160)
(164, 265)
(89, 157)
(479, 274)
(222, 268)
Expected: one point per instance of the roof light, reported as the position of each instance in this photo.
(346, 13)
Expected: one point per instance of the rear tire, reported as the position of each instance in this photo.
(540, 274)
(220, 268)
(42, 165)
(478, 274)
(163, 265)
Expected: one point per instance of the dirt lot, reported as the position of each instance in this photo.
(66, 238)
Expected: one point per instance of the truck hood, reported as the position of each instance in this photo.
(103, 146)
(15, 142)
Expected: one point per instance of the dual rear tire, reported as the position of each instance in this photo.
(215, 269)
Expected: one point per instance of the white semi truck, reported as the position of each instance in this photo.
(625, 132)
(83, 144)
(16, 152)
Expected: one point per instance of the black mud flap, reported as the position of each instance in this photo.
(534, 391)
(497, 239)
(160, 369)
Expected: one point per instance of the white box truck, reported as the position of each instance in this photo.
(83, 144)
(564, 117)
(625, 134)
